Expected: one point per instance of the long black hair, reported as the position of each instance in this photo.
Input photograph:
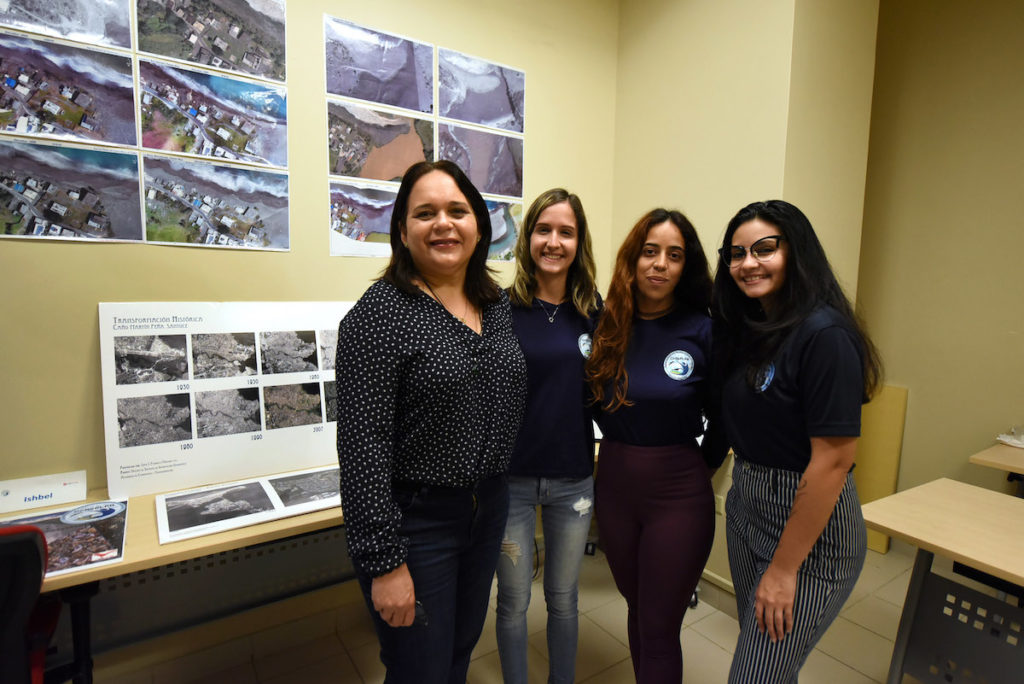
(480, 287)
(750, 336)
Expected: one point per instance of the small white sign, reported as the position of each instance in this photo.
(45, 490)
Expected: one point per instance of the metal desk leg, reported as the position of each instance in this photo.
(80, 670)
(922, 565)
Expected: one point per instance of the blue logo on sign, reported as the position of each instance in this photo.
(678, 365)
(92, 512)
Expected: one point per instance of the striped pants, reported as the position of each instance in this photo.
(757, 508)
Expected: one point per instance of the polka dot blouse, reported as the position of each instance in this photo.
(421, 398)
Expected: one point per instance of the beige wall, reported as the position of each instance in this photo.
(51, 419)
(943, 239)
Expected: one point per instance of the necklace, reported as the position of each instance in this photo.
(551, 316)
(440, 301)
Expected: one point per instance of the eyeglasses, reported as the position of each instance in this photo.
(762, 250)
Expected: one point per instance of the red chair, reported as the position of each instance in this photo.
(22, 565)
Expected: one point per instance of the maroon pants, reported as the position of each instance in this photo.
(656, 516)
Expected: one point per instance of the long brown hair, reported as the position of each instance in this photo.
(581, 281)
(607, 362)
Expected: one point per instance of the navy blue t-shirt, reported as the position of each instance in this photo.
(813, 388)
(668, 363)
(556, 438)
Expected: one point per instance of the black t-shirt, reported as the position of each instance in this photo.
(813, 388)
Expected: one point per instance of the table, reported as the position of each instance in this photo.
(142, 551)
(1004, 457)
(950, 632)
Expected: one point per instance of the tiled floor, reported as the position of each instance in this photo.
(339, 646)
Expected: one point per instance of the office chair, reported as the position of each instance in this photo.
(22, 564)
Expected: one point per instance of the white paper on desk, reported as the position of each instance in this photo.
(217, 508)
(81, 537)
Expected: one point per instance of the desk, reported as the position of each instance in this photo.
(143, 551)
(947, 629)
(1004, 457)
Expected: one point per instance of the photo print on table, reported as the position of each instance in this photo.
(494, 162)
(93, 22)
(375, 144)
(213, 505)
(215, 205)
(307, 487)
(506, 217)
(378, 67)
(247, 36)
(223, 355)
(361, 220)
(149, 358)
(292, 405)
(56, 91)
(228, 412)
(200, 113)
(288, 351)
(68, 193)
(480, 92)
(153, 420)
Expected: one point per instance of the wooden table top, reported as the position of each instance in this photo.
(978, 527)
(1001, 457)
(142, 548)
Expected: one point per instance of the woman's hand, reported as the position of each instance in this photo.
(394, 597)
(773, 602)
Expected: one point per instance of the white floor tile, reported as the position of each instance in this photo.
(720, 628)
(337, 669)
(704, 661)
(857, 647)
(611, 617)
(871, 612)
(597, 649)
(824, 669)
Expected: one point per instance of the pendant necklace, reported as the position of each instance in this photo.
(551, 316)
(440, 301)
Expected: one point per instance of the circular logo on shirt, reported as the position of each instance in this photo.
(764, 377)
(585, 344)
(92, 512)
(678, 365)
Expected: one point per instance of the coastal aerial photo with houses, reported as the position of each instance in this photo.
(183, 110)
(50, 191)
(215, 205)
(54, 90)
(371, 143)
(247, 36)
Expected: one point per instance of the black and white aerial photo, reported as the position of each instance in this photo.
(153, 420)
(328, 348)
(223, 355)
(292, 405)
(150, 358)
(228, 412)
(288, 351)
(213, 505)
(307, 487)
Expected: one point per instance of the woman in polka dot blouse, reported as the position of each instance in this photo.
(431, 389)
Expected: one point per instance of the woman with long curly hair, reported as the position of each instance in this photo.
(649, 374)
(795, 366)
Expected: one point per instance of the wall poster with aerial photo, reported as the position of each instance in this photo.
(247, 36)
(199, 393)
(370, 146)
(93, 22)
(70, 193)
(53, 90)
(215, 205)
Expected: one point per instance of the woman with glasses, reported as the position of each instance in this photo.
(793, 366)
(554, 306)
(648, 372)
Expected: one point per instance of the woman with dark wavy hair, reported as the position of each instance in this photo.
(554, 308)
(431, 385)
(794, 366)
(648, 373)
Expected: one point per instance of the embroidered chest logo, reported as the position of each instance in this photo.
(678, 365)
(764, 377)
(584, 343)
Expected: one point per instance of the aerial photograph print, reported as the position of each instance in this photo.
(360, 220)
(50, 191)
(480, 92)
(199, 113)
(93, 22)
(49, 89)
(378, 67)
(247, 36)
(369, 143)
(492, 161)
(212, 205)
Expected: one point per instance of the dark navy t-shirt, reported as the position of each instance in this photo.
(668, 362)
(813, 388)
(556, 438)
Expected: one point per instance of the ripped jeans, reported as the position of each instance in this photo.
(566, 509)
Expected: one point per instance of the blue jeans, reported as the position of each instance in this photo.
(566, 509)
(453, 536)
